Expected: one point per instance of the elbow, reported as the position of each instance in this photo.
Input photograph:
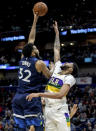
(60, 96)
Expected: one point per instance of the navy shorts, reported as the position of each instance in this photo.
(27, 113)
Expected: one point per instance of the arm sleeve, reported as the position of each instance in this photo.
(70, 80)
(57, 68)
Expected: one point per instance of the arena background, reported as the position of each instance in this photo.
(77, 26)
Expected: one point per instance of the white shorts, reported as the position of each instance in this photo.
(56, 119)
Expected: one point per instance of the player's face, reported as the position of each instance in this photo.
(36, 51)
(67, 66)
(70, 65)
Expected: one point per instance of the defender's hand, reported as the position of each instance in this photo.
(30, 96)
(55, 26)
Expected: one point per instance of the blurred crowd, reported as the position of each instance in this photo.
(84, 119)
(9, 82)
(68, 52)
(73, 53)
(6, 118)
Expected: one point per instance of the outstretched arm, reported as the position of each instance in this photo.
(56, 43)
(58, 95)
(32, 34)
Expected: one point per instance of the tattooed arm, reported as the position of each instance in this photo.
(56, 44)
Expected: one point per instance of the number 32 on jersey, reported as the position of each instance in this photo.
(24, 78)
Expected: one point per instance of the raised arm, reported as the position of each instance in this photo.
(56, 43)
(32, 34)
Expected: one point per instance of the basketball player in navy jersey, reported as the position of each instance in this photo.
(29, 114)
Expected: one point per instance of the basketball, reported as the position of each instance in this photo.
(41, 8)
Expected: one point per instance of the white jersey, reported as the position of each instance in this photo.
(54, 85)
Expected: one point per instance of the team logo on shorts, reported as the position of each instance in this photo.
(67, 119)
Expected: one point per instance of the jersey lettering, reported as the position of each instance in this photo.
(54, 81)
(26, 63)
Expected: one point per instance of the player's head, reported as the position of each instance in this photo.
(70, 68)
(30, 50)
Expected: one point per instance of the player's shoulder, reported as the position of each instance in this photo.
(39, 65)
(40, 62)
(58, 63)
(33, 58)
(69, 80)
(70, 77)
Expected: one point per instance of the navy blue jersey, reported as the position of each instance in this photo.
(29, 79)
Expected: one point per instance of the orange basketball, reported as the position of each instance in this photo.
(41, 8)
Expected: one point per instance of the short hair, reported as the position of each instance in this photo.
(75, 71)
(27, 50)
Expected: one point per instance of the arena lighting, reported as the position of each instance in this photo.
(71, 43)
(12, 67)
(64, 33)
(13, 38)
(88, 59)
(20, 50)
(62, 44)
(79, 31)
(46, 62)
(62, 29)
(8, 67)
(3, 66)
